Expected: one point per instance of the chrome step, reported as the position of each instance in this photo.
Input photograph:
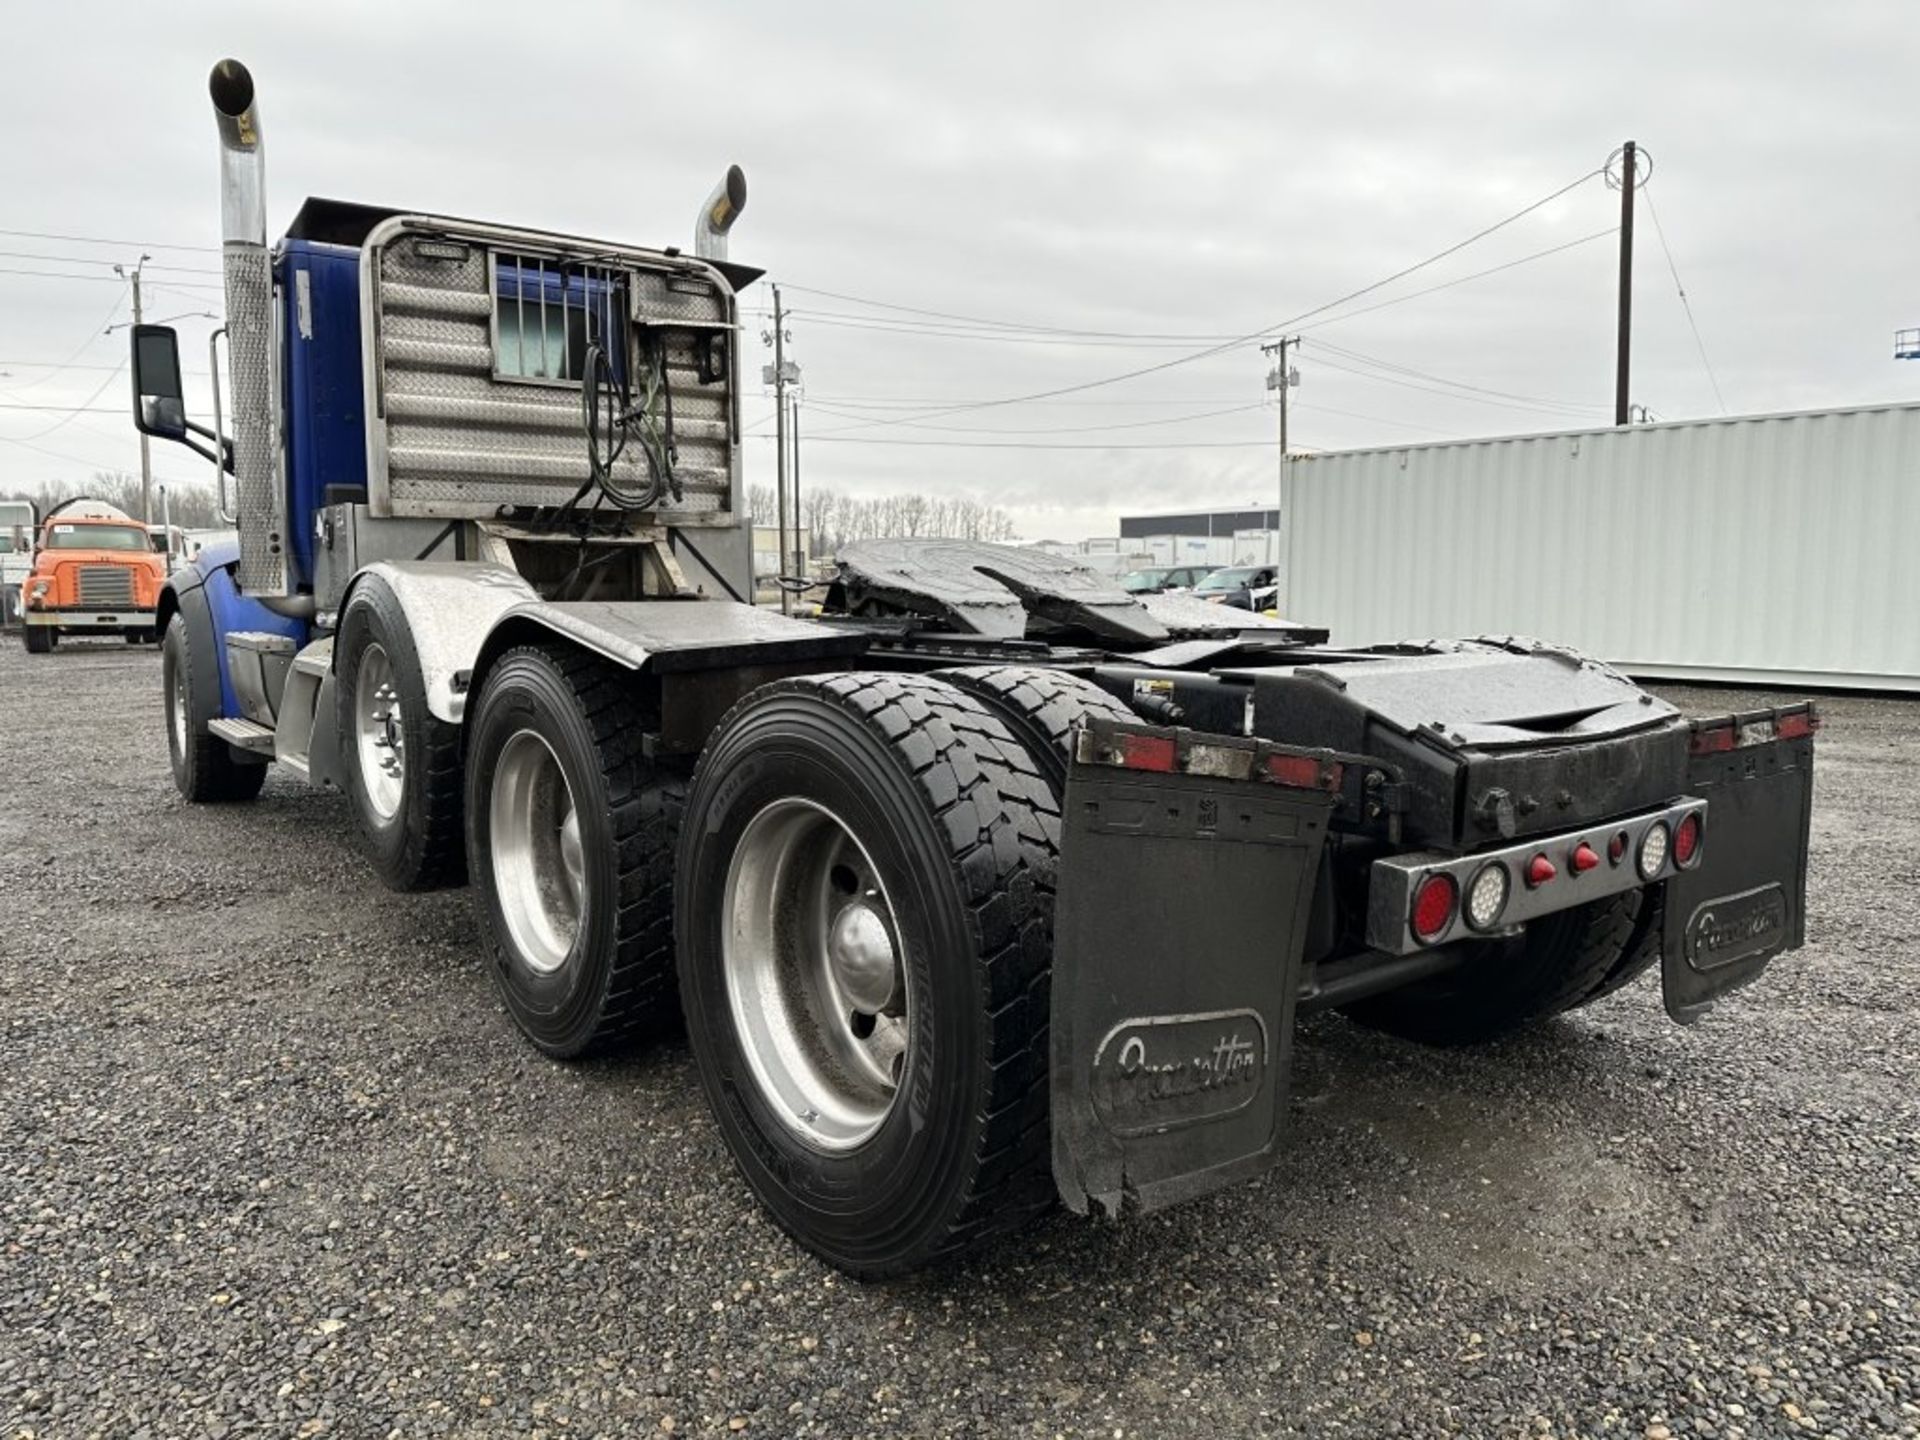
(247, 734)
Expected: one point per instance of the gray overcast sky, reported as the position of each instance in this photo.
(1196, 171)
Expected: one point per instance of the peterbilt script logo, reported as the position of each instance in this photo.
(1160, 1072)
(1737, 927)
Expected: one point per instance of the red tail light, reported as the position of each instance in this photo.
(1433, 906)
(1795, 727)
(1539, 871)
(1686, 840)
(1149, 752)
(1717, 741)
(1583, 859)
(1303, 772)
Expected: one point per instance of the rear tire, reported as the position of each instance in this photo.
(204, 770)
(402, 765)
(864, 931)
(1560, 961)
(1042, 708)
(570, 837)
(37, 638)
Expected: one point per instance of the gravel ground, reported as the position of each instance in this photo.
(273, 1162)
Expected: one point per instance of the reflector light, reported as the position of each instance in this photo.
(1653, 850)
(1716, 741)
(1583, 859)
(1539, 871)
(1433, 906)
(1617, 848)
(1795, 727)
(1149, 752)
(1302, 772)
(1487, 896)
(1686, 840)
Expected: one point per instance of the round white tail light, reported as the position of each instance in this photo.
(1487, 896)
(1653, 850)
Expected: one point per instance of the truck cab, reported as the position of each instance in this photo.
(19, 523)
(94, 572)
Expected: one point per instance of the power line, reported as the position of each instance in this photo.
(89, 260)
(815, 404)
(1264, 330)
(1685, 304)
(94, 337)
(80, 409)
(65, 409)
(1385, 379)
(1040, 444)
(997, 324)
(99, 240)
(1007, 335)
(1459, 384)
(1464, 279)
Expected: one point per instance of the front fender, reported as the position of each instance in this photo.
(204, 592)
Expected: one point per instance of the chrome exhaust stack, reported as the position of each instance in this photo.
(258, 468)
(717, 215)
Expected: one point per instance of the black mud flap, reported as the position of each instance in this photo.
(1186, 877)
(1746, 902)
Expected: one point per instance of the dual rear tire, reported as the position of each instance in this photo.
(857, 920)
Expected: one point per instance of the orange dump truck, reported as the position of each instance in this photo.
(95, 572)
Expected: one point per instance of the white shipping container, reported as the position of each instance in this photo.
(1771, 549)
(1256, 547)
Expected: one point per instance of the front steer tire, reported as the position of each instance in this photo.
(411, 831)
(38, 639)
(204, 770)
(615, 981)
(1559, 962)
(935, 797)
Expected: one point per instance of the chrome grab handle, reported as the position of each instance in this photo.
(227, 517)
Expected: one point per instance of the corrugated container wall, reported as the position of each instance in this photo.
(1770, 549)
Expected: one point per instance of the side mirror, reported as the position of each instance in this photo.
(159, 406)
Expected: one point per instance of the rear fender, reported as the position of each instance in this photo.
(451, 607)
(1186, 881)
(1745, 901)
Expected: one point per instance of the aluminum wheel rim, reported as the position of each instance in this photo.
(177, 711)
(539, 867)
(379, 733)
(820, 995)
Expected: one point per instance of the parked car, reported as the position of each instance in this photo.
(1154, 578)
(1250, 587)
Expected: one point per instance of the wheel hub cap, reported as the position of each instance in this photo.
(861, 953)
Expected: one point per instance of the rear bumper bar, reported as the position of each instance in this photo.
(1615, 844)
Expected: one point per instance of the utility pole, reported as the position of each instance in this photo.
(780, 438)
(802, 538)
(782, 373)
(1282, 378)
(146, 457)
(1629, 153)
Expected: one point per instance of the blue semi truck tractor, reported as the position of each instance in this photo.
(992, 887)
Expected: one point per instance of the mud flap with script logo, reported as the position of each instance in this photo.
(1178, 934)
(1746, 902)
